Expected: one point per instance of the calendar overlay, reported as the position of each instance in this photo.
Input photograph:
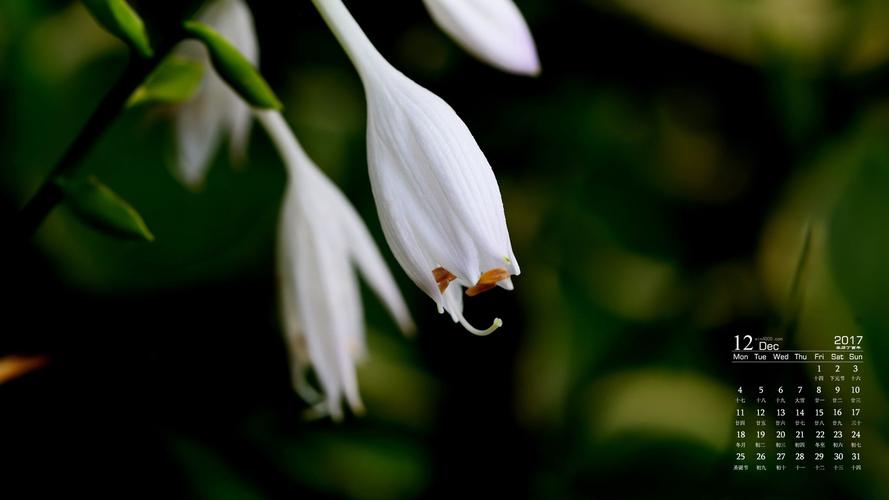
(797, 409)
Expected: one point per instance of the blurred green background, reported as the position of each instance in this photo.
(658, 178)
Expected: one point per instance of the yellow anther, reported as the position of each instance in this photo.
(487, 281)
(443, 277)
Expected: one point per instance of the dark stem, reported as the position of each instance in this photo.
(49, 194)
(797, 291)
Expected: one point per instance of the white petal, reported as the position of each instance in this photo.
(417, 249)
(198, 125)
(216, 109)
(367, 258)
(437, 196)
(240, 121)
(233, 20)
(328, 298)
(286, 277)
(492, 30)
(298, 350)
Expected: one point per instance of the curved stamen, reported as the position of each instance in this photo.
(481, 333)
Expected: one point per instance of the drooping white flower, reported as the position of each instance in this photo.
(437, 197)
(492, 30)
(321, 237)
(216, 110)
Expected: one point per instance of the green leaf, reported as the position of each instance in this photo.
(120, 19)
(102, 208)
(176, 80)
(234, 68)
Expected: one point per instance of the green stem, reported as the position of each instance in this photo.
(49, 194)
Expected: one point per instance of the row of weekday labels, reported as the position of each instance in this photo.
(798, 356)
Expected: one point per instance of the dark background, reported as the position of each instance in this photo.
(659, 178)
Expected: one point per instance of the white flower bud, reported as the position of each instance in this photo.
(437, 197)
(492, 30)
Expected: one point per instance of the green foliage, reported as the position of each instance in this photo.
(99, 206)
(120, 19)
(210, 477)
(657, 193)
(234, 68)
(859, 246)
(177, 79)
(860, 241)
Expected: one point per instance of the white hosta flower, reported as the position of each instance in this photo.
(216, 110)
(437, 197)
(492, 30)
(321, 238)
